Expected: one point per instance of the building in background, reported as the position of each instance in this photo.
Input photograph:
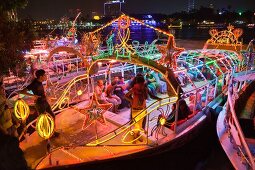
(113, 8)
(191, 5)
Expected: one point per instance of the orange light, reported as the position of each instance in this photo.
(96, 17)
(45, 125)
(79, 92)
(162, 121)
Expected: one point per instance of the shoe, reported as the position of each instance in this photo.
(56, 134)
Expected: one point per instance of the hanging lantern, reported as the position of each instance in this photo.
(21, 110)
(45, 125)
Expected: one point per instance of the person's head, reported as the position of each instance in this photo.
(116, 79)
(139, 79)
(40, 75)
(174, 106)
(183, 107)
(132, 75)
(100, 82)
(114, 83)
(122, 80)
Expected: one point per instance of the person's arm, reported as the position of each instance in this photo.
(25, 92)
(152, 95)
(128, 96)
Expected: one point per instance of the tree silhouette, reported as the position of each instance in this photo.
(15, 39)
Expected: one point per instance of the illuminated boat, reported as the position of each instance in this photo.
(235, 124)
(91, 133)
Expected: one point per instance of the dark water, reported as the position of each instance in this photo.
(142, 34)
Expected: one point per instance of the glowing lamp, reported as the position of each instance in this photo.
(112, 61)
(79, 92)
(99, 63)
(162, 121)
(21, 110)
(96, 17)
(45, 125)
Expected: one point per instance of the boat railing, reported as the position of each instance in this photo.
(234, 127)
(127, 129)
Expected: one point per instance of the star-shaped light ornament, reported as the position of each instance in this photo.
(230, 27)
(94, 112)
(170, 53)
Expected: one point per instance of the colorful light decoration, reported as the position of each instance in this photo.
(161, 122)
(90, 43)
(79, 92)
(45, 125)
(228, 38)
(170, 53)
(94, 112)
(21, 110)
(123, 49)
(125, 139)
(127, 129)
(65, 97)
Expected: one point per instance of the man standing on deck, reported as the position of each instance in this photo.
(41, 103)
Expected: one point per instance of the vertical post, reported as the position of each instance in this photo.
(92, 84)
(48, 151)
(195, 102)
(207, 93)
(135, 69)
(177, 110)
(216, 87)
(88, 87)
(63, 69)
(122, 69)
(77, 65)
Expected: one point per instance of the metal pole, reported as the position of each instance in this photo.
(177, 109)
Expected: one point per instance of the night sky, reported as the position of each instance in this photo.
(41, 9)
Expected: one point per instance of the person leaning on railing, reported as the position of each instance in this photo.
(137, 97)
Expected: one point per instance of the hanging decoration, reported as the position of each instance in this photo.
(45, 125)
(21, 110)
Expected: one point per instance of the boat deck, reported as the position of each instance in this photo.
(69, 123)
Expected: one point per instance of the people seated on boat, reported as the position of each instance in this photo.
(207, 73)
(162, 84)
(100, 92)
(183, 112)
(111, 97)
(182, 79)
(8, 123)
(193, 74)
(150, 82)
(210, 94)
(130, 82)
(119, 91)
(197, 99)
(137, 97)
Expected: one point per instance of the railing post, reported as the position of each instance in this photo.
(177, 109)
